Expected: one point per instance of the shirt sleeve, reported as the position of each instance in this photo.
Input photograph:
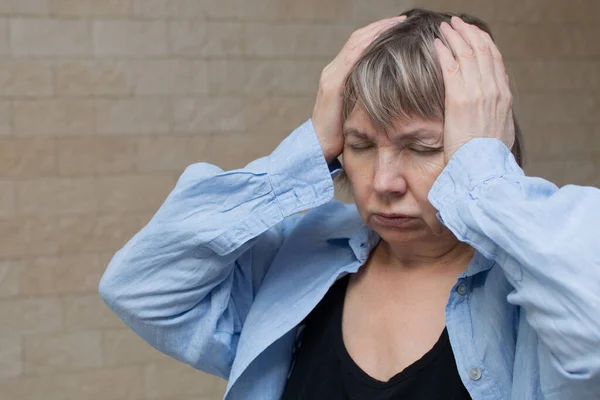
(547, 241)
(186, 281)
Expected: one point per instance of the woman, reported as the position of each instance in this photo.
(454, 275)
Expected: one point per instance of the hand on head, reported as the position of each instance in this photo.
(327, 113)
(478, 98)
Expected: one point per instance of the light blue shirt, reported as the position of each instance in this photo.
(225, 271)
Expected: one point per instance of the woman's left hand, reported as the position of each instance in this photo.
(478, 98)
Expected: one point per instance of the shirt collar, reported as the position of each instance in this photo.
(363, 239)
(359, 236)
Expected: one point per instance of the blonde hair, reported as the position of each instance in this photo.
(399, 76)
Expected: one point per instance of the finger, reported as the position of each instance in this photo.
(386, 21)
(499, 68)
(483, 54)
(373, 30)
(464, 54)
(362, 38)
(450, 67)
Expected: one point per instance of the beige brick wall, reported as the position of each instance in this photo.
(103, 103)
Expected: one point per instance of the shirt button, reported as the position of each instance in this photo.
(461, 289)
(475, 374)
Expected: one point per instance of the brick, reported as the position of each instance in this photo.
(544, 76)
(4, 37)
(88, 312)
(133, 116)
(130, 38)
(559, 141)
(181, 9)
(70, 117)
(164, 153)
(7, 200)
(10, 273)
(193, 8)
(232, 151)
(30, 316)
(594, 134)
(301, 77)
(294, 39)
(157, 77)
(96, 155)
(318, 10)
(560, 108)
(367, 12)
(28, 236)
(133, 193)
(227, 77)
(548, 42)
(26, 158)
(25, 78)
(277, 115)
(547, 11)
(260, 77)
(206, 114)
(152, 8)
(56, 196)
(123, 383)
(25, 7)
(101, 233)
(124, 347)
(96, 8)
(5, 119)
(93, 78)
(45, 354)
(11, 364)
(173, 378)
(563, 172)
(45, 276)
(39, 37)
(484, 10)
(190, 38)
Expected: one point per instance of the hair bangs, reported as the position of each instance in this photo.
(397, 78)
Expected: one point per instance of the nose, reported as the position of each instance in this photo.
(388, 178)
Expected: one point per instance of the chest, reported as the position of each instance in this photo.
(266, 345)
(385, 330)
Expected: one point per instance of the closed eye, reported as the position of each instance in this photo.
(425, 150)
(360, 147)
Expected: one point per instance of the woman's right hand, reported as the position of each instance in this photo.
(327, 113)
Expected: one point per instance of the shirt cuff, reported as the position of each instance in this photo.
(298, 171)
(475, 163)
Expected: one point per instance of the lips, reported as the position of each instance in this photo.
(393, 215)
(394, 220)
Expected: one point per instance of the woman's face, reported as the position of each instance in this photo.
(392, 172)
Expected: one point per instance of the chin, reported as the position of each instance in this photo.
(401, 236)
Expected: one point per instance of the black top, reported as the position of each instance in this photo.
(322, 368)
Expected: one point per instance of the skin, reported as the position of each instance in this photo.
(394, 306)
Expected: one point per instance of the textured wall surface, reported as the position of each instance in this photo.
(104, 102)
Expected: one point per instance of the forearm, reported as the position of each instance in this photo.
(545, 239)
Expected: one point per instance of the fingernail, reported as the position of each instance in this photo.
(457, 20)
(445, 26)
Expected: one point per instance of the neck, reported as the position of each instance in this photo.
(447, 254)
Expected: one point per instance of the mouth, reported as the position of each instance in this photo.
(393, 219)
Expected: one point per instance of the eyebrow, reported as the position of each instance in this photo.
(354, 132)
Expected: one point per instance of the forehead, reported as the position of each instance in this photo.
(359, 125)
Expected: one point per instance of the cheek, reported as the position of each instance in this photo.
(424, 171)
(356, 169)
